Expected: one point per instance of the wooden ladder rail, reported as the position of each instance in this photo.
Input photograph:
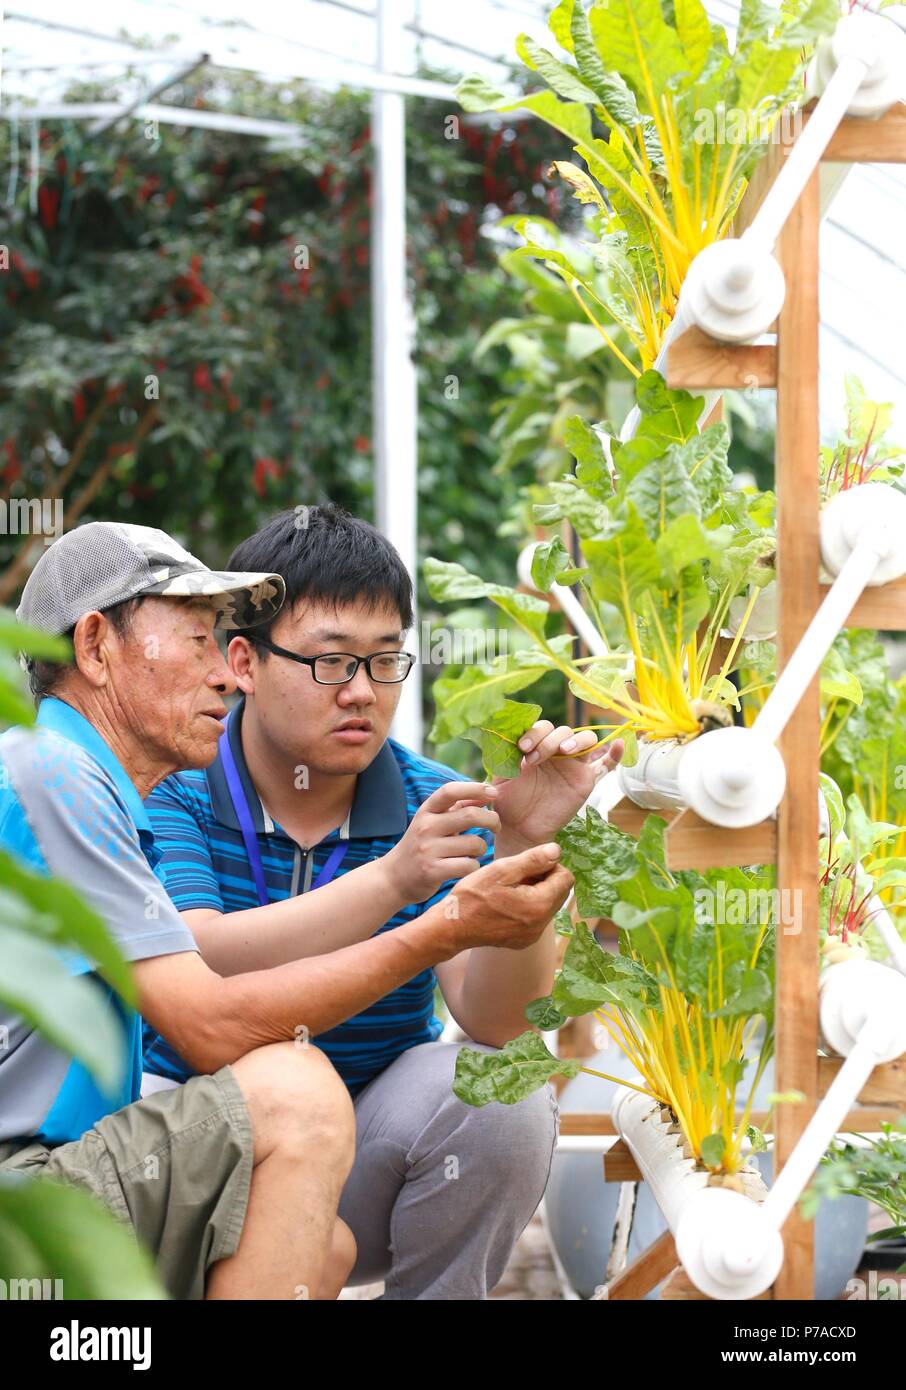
(697, 362)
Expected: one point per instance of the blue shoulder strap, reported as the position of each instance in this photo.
(247, 826)
(243, 814)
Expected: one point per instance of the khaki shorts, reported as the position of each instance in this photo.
(176, 1167)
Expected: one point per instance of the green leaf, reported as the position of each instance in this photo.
(563, 922)
(613, 92)
(694, 32)
(447, 581)
(498, 737)
(544, 1014)
(624, 562)
(17, 637)
(756, 1139)
(508, 1076)
(834, 800)
(565, 81)
(591, 977)
(754, 995)
(639, 45)
(661, 492)
(549, 559)
(53, 910)
(470, 698)
(596, 854)
(712, 1150)
(50, 1231)
(70, 1010)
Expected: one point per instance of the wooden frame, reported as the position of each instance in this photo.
(697, 362)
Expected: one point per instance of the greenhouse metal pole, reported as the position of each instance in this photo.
(392, 341)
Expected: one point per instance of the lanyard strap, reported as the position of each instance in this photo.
(243, 815)
(247, 827)
(328, 872)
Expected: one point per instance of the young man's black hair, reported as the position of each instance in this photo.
(326, 555)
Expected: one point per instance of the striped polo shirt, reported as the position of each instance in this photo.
(205, 865)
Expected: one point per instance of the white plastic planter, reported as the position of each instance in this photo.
(677, 1183)
(763, 619)
(652, 783)
(731, 1248)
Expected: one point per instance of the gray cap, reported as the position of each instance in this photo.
(106, 562)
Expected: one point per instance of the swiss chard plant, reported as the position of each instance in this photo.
(668, 122)
(688, 998)
(667, 543)
(856, 872)
(873, 1167)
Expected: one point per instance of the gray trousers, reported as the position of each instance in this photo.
(441, 1191)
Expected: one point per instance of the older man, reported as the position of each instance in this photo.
(252, 1153)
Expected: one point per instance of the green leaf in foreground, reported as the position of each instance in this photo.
(70, 1010)
(511, 1074)
(48, 1231)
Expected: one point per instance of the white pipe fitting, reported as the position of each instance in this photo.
(863, 1001)
(731, 1248)
(734, 290)
(886, 929)
(732, 777)
(873, 513)
(863, 541)
(877, 46)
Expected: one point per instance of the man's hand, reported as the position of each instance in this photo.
(510, 902)
(435, 847)
(550, 788)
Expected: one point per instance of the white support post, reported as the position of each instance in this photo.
(395, 392)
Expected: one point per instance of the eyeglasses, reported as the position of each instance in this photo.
(337, 668)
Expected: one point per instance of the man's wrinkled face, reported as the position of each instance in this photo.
(168, 678)
(329, 728)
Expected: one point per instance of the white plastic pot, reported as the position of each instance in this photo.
(762, 624)
(652, 782)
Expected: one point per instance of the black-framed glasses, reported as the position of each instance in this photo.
(337, 668)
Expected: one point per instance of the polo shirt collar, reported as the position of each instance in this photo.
(70, 724)
(378, 804)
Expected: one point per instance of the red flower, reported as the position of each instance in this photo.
(48, 204)
(232, 402)
(13, 469)
(266, 405)
(151, 185)
(201, 377)
(264, 468)
(78, 407)
(322, 381)
(362, 444)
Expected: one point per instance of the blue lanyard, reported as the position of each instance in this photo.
(247, 827)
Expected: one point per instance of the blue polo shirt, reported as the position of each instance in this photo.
(206, 866)
(68, 808)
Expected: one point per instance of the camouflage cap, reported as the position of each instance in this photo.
(107, 562)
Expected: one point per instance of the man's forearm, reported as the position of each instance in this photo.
(308, 997)
(342, 913)
(497, 984)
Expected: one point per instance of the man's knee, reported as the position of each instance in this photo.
(298, 1102)
(520, 1138)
